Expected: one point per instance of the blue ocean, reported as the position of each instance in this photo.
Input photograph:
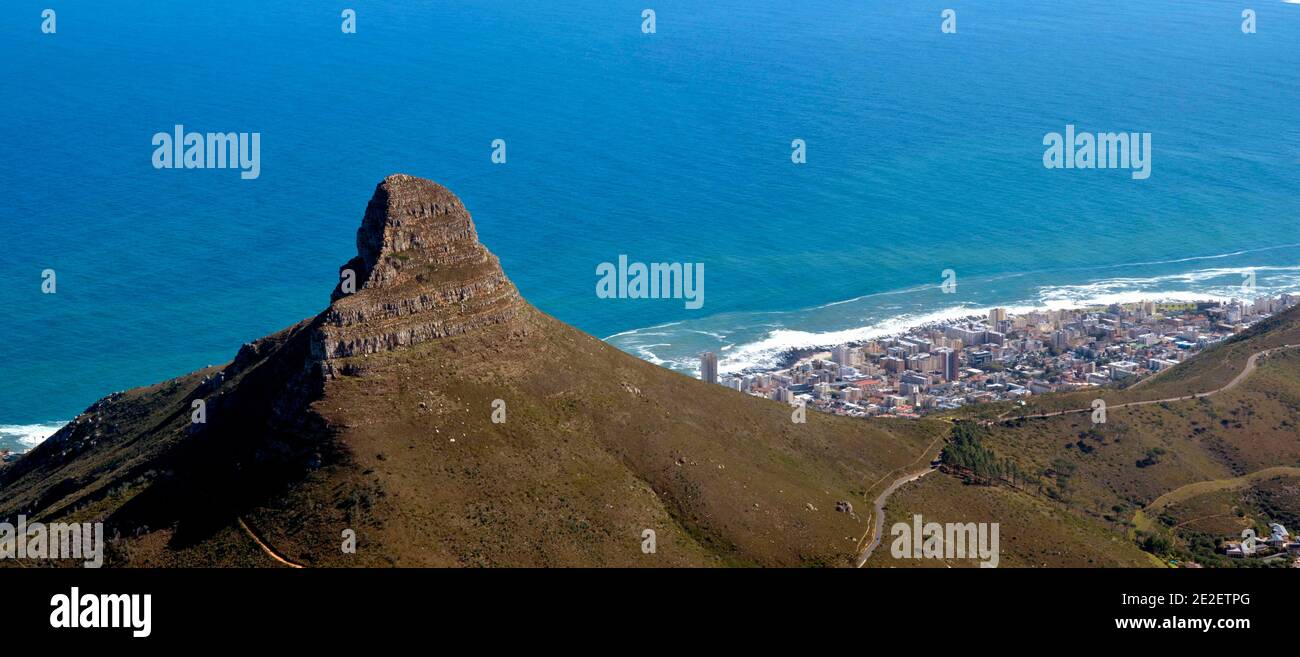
(924, 153)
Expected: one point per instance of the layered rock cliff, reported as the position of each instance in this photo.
(420, 273)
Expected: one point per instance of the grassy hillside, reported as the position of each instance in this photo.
(596, 447)
(1212, 451)
(1033, 532)
(431, 417)
(1194, 520)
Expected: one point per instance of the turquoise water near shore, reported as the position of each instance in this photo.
(924, 154)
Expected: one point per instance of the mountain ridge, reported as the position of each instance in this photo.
(376, 416)
(443, 420)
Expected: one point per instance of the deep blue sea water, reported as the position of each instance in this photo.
(924, 154)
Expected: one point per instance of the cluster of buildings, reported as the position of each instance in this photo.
(1003, 356)
(1279, 544)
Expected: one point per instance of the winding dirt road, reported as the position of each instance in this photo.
(267, 548)
(877, 528)
(879, 510)
(1196, 488)
(876, 522)
(1236, 381)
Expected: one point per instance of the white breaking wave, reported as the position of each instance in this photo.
(641, 331)
(1215, 256)
(715, 336)
(1218, 284)
(643, 352)
(908, 290)
(1067, 299)
(29, 435)
(765, 352)
(1235, 276)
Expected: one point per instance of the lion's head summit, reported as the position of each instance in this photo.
(436, 417)
(420, 273)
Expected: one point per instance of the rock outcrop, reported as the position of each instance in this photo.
(380, 415)
(420, 273)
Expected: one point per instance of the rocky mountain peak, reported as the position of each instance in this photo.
(410, 223)
(420, 273)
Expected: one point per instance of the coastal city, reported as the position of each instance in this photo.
(998, 357)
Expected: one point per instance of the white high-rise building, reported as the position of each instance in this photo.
(842, 355)
(709, 367)
(947, 363)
